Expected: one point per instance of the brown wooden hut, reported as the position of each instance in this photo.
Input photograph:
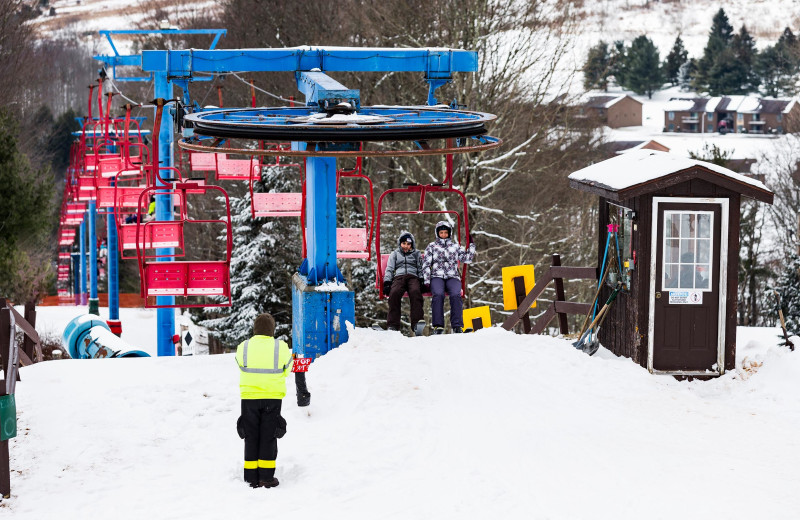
(678, 237)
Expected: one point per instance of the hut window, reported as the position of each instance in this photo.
(687, 250)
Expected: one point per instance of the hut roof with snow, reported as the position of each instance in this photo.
(642, 171)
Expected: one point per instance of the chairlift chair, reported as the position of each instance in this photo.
(354, 243)
(186, 278)
(460, 216)
(277, 204)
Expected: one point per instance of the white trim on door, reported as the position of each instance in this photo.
(723, 282)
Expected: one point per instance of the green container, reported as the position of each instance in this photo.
(8, 417)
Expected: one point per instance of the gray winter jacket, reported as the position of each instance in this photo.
(443, 255)
(401, 263)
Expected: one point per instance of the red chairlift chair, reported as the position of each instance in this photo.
(421, 189)
(184, 278)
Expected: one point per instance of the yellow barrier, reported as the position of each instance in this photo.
(509, 291)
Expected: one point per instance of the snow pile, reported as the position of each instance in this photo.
(489, 424)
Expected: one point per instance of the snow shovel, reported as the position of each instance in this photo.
(590, 342)
(783, 322)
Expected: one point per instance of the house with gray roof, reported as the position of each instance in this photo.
(737, 114)
(614, 111)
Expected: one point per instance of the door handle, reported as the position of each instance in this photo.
(658, 294)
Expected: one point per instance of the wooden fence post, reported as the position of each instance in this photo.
(27, 344)
(5, 350)
(562, 316)
(519, 290)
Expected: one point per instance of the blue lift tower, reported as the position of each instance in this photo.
(319, 315)
(332, 124)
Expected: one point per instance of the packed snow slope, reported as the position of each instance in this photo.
(486, 425)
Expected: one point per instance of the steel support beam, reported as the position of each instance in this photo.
(165, 316)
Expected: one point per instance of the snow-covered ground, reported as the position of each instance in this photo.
(490, 424)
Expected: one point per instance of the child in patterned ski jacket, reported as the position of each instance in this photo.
(440, 272)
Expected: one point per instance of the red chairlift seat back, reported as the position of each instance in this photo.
(352, 243)
(277, 204)
(185, 278)
(236, 169)
(203, 162)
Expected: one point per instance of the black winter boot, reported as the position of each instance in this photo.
(438, 330)
(303, 395)
(457, 330)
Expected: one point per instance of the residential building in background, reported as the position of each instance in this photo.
(732, 114)
(613, 111)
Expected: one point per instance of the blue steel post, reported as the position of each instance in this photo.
(82, 273)
(113, 272)
(76, 277)
(321, 220)
(94, 304)
(165, 316)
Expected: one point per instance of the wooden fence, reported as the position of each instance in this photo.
(558, 307)
(12, 356)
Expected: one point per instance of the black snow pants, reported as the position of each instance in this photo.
(260, 421)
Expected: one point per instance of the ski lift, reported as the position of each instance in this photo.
(190, 279)
(460, 217)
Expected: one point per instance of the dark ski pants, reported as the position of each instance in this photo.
(453, 288)
(401, 284)
(260, 420)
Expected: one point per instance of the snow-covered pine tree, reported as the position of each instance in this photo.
(788, 287)
(266, 252)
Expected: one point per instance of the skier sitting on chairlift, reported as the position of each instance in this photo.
(403, 273)
(440, 273)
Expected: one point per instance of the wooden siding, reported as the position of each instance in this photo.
(625, 112)
(625, 331)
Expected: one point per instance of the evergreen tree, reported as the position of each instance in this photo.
(726, 76)
(719, 37)
(675, 59)
(60, 139)
(643, 68)
(686, 74)
(769, 71)
(744, 78)
(788, 287)
(25, 217)
(777, 66)
(596, 69)
(618, 62)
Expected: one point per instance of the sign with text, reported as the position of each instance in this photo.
(301, 364)
(687, 297)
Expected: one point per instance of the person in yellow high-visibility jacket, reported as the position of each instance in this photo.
(264, 362)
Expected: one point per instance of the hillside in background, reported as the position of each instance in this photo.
(600, 19)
